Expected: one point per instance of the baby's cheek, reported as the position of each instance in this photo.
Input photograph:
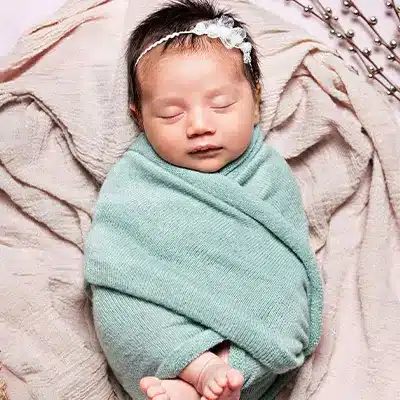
(170, 146)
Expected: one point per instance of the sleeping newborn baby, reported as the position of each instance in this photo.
(202, 280)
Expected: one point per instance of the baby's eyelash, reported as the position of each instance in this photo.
(221, 108)
(170, 117)
(214, 108)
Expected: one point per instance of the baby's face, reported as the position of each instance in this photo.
(198, 110)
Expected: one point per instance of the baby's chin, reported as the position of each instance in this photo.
(206, 165)
(211, 164)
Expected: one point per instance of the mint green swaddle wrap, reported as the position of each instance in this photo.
(180, 260)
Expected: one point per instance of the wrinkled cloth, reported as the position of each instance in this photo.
(64, 123)
(228, 251)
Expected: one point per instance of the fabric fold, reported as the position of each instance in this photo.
(240, 265)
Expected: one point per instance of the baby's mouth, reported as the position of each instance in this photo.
(205, 149)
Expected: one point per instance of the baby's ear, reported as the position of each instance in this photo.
(257, 108)
(136, 115)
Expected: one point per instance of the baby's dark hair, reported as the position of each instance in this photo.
(176, 16)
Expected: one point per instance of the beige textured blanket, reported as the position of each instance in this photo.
(64, 122)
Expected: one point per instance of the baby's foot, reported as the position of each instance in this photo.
(219, 381)
(153, 389)
(171, 389)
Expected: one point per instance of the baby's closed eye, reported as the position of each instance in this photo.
(225, 107)
(170, 113)
(222, 101)
(170, 116)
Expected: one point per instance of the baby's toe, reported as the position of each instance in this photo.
(221, 379)
(147, 382)
(235, 379)
(209, 394)
(155, 390)
(215, 387)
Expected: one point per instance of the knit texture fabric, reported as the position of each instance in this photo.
(227, 250)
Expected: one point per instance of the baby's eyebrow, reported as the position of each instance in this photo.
(177, 101)
(226, 89)
(168, 101)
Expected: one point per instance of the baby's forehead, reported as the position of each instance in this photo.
(160, 62)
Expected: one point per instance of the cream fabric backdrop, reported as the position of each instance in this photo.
(31, 12)
(18, 15)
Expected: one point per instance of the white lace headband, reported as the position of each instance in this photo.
(221, 28)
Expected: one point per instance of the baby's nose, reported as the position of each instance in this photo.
(199, 125)
(193, 132)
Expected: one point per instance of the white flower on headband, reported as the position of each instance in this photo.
(223, 29)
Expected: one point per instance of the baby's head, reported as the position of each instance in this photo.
(191, 92)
